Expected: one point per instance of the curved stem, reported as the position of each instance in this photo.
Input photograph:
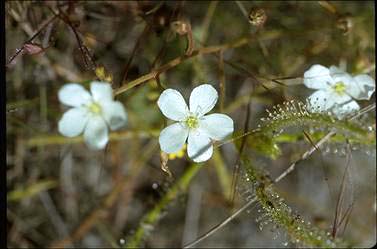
(201, 51)
(150, 219)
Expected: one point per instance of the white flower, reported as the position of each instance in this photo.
(198, 129)
(92, 113)
(336, 89)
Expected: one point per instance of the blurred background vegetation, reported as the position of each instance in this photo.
(62, 194)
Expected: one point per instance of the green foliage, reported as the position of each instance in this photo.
(264, 144)
(150, 219)
(295, 36)
(294, 116)
(300, 232)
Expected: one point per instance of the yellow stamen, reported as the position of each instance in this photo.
(95, 108)
(192, 122)
(339, 88)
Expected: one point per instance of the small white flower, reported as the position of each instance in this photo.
(92, 113)
(198, 129)
(336, 89)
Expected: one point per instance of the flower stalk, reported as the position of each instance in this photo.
(149, 221)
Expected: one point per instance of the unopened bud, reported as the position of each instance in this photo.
(257, 16)
(344, 23)
(32, 49)
(180, 27)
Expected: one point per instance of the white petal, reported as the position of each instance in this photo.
(73, 94)
(340, 76)
(340, 99)
(96, 134)
(320, 100)
(217, 126)
(101, 91)
(336, 71)
(73, 122)
(202, 99)
(114, 114)
(366, 86)
(317, 77)
(199, 146)
(173, 137)
(172, 105)
(343, 110)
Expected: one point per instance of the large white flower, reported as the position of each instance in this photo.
(198, 129)
(92, 113)
(336, 89)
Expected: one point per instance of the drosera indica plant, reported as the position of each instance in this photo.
(279, 120)
(300, 232)
(334, 109)
(276, 210)
(94, 113)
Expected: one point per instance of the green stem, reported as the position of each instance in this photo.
(201, 51)
(151, 218)
(113, 136)
(222, 173)
(300, 232)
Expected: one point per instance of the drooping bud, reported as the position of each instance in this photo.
(32, 49)
(257, 16)
(344, 23)
(180, 27)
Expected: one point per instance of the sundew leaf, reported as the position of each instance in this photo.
(264, 145)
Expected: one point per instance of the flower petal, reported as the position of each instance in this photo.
(73, 122)
(114, 114)
(73, 94)
(343, 110)
(199, 147)
(172, 105)
(340, 99)
(366, 86)
(320, 101)
(339, 75)
(173, 137)
(217, 126)
(336, 71)
(101, 91)
(96, 134)
(203, 98)
(317, 77)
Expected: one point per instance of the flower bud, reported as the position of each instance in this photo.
(257, 16)
(32, 49)
(180, 27)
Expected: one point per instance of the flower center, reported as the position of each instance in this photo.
(95, 108)
(339, 88)
(192, 122)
